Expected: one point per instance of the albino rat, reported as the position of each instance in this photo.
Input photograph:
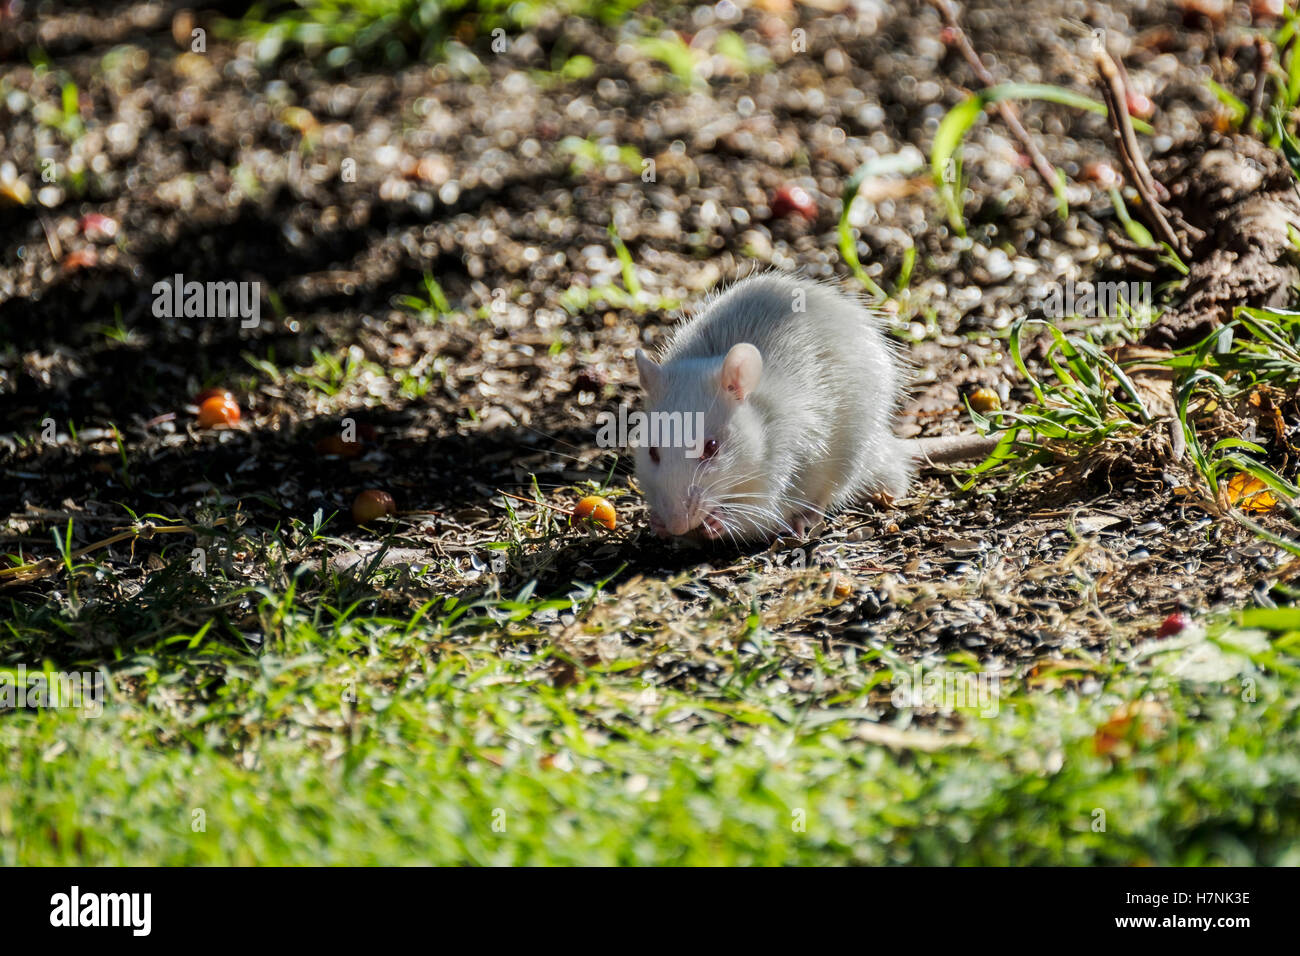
(796, 387)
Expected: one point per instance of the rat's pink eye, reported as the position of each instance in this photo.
(654, 455)
(710, 448)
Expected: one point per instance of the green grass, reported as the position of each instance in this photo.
(332, 372)
(945, 151)
(589, 154)
(1088, 400)
(430, 307)
(682, 60)
(435, 729)
(579, 298)
(1258, 349)
(1284, 70)
(898, 163)
(267, 715)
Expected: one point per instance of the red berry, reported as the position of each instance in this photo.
(1140, 105)
(97, 227)
(1174, 624)
(793, 201)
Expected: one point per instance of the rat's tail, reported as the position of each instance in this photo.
(947, 449)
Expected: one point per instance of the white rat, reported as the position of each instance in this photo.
(796, 387)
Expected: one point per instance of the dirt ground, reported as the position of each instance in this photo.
(205, 165)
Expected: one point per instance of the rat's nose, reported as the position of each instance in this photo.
(682, 520)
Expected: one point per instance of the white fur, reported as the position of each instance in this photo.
(813, 434)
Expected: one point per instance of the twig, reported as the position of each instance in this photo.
(1005, 108)
(28, 572)
(52, 239)
(1130, 153)
(1263, 55)
(1178, 222)
(1115, 91)
(563, 511)
(1132, 253)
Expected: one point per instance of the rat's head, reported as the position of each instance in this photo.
(700, 455)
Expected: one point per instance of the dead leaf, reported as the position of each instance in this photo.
(1142, 721)
(1248, 493)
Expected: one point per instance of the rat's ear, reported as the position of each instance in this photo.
(650, 371)
(741, 370)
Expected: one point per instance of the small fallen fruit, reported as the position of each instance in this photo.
(207, 393)
(218, 410)
(1103, 174)
(372, 504)
(1198, 14)
(1175, 623)
(335, 445)
(97, 227)
(596, 508)
(793, 201)
(297, 118)
(1267, 9)
(1140, 105)
(86, 258)
(14, 190)
(985, 400)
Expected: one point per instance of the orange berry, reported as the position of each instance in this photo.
(86, 258)
(596, 508)
(207, 393)
(372, 504)
(218, 410)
